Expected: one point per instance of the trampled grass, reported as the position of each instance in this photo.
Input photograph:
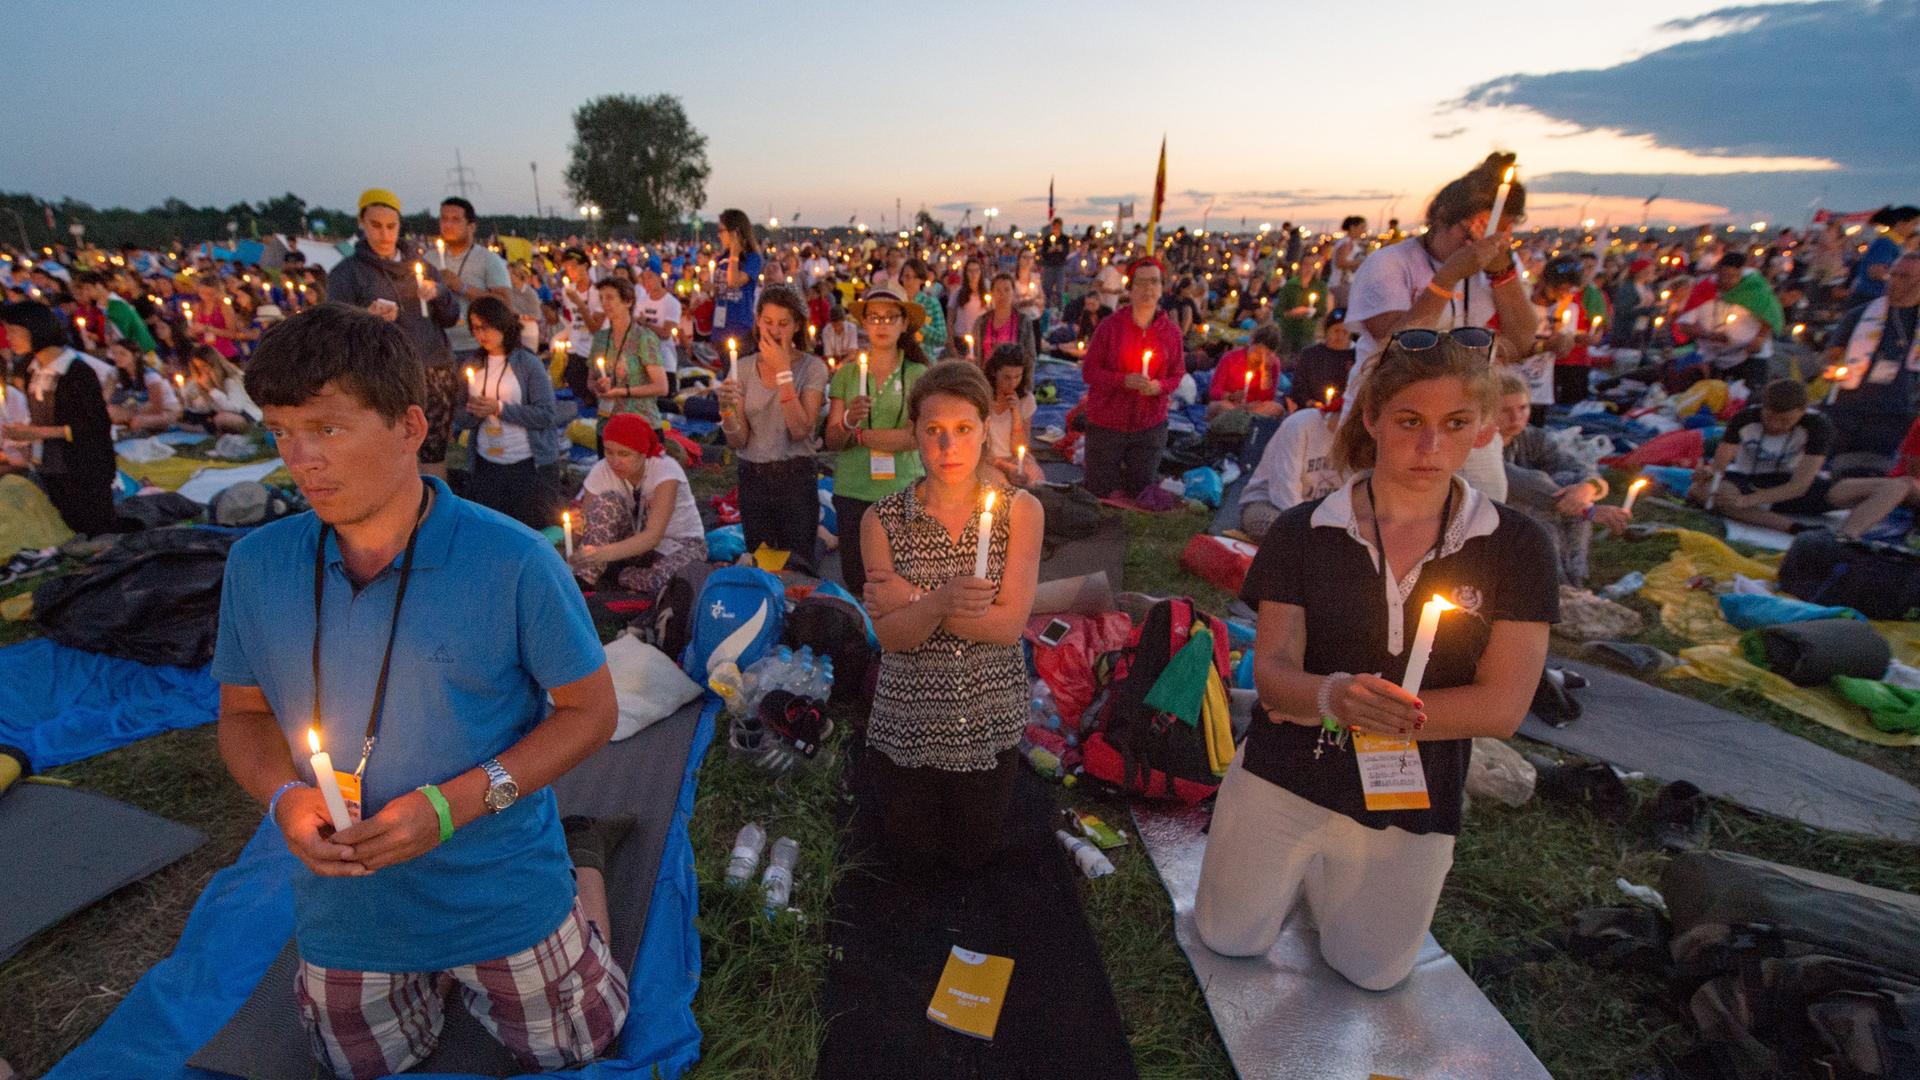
(1519, 875)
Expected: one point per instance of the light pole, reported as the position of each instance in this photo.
(591, 212)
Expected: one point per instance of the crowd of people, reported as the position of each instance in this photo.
(1392, 397)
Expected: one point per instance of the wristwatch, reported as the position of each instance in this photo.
(501, 790)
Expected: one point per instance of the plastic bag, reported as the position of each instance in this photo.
(1497, 771)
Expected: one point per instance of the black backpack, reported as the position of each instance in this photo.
(668, 625)
(836, 627)
(1880, 581)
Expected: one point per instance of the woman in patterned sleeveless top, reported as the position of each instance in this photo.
(940, 754)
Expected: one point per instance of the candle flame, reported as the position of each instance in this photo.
(989, 508)
(1507, 177)
(313, 739)
(566, 518)
(1840, 372)
(469, 372)
(1731, 316)
(1441, 602)
(1637, 484)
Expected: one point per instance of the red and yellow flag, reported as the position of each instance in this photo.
(1159, 193)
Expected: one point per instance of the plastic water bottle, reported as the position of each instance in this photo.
(746, 854)
(778, 880)
(804, 661)
(1626, 586)
(825, 683)
(1093, 862)
(731, 685)
(1041, 709)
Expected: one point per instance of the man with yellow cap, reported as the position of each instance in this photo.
(394, 279)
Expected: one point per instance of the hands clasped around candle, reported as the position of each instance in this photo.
(1371, 703)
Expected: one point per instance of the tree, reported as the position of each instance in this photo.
(638, 156)
(928, 224)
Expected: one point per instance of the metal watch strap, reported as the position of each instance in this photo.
(497, 776)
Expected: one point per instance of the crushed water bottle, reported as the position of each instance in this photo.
(778, 880)
(1092, 861)
(746, 854)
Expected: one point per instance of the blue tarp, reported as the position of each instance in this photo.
(61, 704)
(245, 916)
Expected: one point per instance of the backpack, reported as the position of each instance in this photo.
(739, 616)
(1880, 581)
(835, 625)
(1140, 747)
(1795, 973)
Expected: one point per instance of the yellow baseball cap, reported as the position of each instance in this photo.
(376, 196)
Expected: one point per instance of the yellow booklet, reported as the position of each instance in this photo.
(972, 988)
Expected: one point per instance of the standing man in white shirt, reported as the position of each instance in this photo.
(1460, 272)
(657, 309)
(468, 270)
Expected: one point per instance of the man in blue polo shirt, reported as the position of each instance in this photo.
(417, 635)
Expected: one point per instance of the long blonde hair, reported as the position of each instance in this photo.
(1353, 446)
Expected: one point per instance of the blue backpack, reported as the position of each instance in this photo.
(741, 613)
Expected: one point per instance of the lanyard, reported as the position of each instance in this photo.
(497, 383)
(393, 629)
(1446, 516)
(1466, 297)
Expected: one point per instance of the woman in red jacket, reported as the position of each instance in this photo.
(1133, 364)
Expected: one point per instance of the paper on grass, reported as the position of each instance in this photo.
(972, 988)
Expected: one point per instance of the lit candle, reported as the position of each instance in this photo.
(1313, 299)
(1633, 492)
(1330, 392)
(328, 783)
(733, 360)
(811, 331)
(601, 363)
(1423, 644)
(470, 390)
(1146, 363)
(863, 375)
(559, 346)
(566, 531)
(969, 338)
(419, 283)
(1248, 391)
(1833, 382)
(985, 539)
(1500, 201)
(1020, 458)
(440, 246)
(1593, 329)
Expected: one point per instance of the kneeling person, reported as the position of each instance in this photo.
(417, 635)
(1772, 456)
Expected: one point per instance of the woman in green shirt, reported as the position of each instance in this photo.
(627, 372)
(867, 422)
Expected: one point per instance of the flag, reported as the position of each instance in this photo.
(1049, 199)
(1159, 193)
(1126, 211)
(853, 217)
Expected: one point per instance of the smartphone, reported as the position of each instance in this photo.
(1055, 632)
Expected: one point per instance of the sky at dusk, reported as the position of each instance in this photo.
(1271, 111)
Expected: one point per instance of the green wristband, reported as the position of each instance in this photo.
(441, 808)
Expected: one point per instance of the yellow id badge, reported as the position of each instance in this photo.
(879, 465)
(349, 793)
(1390, 773)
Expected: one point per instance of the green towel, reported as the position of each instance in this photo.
(1182, 684)
(1891, 708)
(1753, 293)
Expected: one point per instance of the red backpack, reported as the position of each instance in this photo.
(1136, 747)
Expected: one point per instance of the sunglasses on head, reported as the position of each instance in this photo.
(1420, 339)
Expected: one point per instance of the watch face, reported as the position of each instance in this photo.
(502, 795)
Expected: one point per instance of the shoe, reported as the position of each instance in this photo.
(1592, 785)
(1632, 656)
(1553, 701)
(1678, 816)
(590, 841)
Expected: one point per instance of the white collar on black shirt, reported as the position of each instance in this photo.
(1477, 516)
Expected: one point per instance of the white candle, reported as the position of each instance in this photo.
(601, 363)
(1500, 201)
(1020, 459)
(470, 387)
(1714, 487)
(1146, 363)
(566, 530)
(863, 375)
(1633, 492)
(440, 246)
(1593, 329)
(420, 280)
(1833, 382)
(733, 360)
(969, 338)
(985, 539)
(1423, 644)
(328, 783)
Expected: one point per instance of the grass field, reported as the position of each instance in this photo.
(1519, 875)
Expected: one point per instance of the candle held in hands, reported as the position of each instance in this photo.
(566, 531)
(985, 539)
(419, 283)
(863, 376)
(328, 783)
(1430, 613)
(1146, 364)
(1500, 201)
(1633, 492)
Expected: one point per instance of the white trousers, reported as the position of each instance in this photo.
(1372, 892)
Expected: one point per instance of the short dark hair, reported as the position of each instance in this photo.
(1889, 216)
(955, 378)
(1784, 395)
(619, 285)
(1350, 221)
(465, 206)
(42, 325)
(1735, 259)
(574, 254)
(1266, 337)
(1006, 356)
(494, 312)
(367, 356)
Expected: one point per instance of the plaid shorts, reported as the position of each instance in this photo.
(555, 1005)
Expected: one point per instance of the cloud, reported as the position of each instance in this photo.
(1744, 195)
(1452, 134)
(1813, 79)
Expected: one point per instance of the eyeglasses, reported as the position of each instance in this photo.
(882, 320)
(1420, 339)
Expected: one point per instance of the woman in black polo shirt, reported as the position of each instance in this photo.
(1334, 639)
